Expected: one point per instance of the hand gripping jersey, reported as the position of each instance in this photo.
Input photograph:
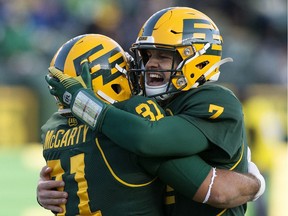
(207, 121)
(101, 178)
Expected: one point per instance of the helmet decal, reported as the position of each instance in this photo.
(86, 55)
(105, 67)
(107, 63)
(193, 29)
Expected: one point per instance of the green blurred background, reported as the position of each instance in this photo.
(31, 31)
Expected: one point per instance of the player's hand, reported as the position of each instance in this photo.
(76, 93)
(65, 87)
(47, 196)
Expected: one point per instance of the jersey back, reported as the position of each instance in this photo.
(100, 177)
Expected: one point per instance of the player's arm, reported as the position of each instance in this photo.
(47, 196)
(134, 133)
(230, 189)
(169, 136)
(195, 179)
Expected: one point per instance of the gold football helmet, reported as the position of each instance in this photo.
(107, 62)
(191, 35)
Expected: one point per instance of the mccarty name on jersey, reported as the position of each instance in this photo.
(64, 138)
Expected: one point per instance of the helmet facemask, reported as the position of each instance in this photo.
(160, 91)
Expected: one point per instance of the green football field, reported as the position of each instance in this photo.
(19, 167)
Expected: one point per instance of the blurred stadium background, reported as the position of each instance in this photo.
(255, 36)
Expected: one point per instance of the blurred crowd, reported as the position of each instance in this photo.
(254, 32)
(31, 31)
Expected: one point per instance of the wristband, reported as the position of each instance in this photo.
(87, 109)
(210, 186)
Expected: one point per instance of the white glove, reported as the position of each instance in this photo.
(253, 169)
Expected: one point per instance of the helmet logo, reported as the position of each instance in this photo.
(142, 38)
(106, 67)
(146, 39)
(104, 63)
(87, 55)
(199, 30)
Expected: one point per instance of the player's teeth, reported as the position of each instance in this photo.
(155, 76)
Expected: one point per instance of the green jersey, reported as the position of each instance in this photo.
(100, 177)
(207, 121)
(217, 113)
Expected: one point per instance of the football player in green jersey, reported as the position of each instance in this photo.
(206, 119)
(71, 84)
(100, 177)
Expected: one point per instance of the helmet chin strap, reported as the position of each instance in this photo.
(158, 92)
(155, 90)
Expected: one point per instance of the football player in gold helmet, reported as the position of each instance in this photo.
(191, 39)
(100, 177)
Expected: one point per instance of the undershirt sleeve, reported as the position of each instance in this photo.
(185, 175)
(169, 136)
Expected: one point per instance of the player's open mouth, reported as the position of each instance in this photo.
(154, 79)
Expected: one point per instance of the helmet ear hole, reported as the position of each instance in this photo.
(202, 64)
(116, 88)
